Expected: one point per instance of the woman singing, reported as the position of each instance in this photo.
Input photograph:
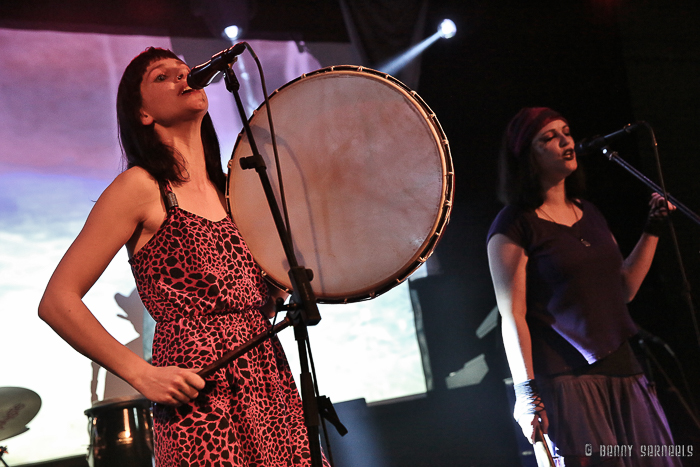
(195, 275)
(562, 287)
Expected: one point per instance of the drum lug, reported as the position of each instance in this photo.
(252, 162)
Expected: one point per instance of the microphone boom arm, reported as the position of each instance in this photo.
(615, 157)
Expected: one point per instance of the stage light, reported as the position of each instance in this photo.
(447, 29)
(233, 32)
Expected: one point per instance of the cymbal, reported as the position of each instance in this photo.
(18, 406)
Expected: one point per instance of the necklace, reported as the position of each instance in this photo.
(575, 225)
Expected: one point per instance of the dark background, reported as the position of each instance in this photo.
(601, 63)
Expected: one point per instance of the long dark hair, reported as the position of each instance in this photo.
(519, 174)
(141, 146)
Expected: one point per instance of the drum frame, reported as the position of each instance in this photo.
(441, 220)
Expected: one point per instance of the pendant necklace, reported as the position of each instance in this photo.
(577, 227)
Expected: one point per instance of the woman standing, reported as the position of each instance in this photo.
(194, 274)
(562, 287)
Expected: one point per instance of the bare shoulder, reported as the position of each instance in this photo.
(135, 182)
(130, 201)
(127, 213)
(132, 191)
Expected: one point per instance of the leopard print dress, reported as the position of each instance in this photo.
(200, 283)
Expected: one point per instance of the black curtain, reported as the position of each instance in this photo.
(382, 29)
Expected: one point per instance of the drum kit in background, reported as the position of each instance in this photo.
(121, 433)
(368, 182)
(18, 406)
(120, 429)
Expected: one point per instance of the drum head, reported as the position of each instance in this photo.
(367, 178)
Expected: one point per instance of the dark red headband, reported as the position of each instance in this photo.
(525, 125)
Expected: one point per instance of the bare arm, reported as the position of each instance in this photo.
(637, 264)
(507, 262)
(116, 218)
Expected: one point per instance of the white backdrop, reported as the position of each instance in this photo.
(58, 151)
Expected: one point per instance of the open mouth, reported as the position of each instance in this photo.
(187, 90)
(569, 154)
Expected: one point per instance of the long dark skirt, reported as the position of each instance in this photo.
(608, 421)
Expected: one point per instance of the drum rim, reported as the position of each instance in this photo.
(137, 401)
(428, 246)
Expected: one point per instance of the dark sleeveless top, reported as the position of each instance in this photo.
(576, 309)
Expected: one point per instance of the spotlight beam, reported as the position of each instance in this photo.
(396, 64)
(446, 30)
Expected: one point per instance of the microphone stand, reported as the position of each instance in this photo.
(669, 383)
(615, 157)
(302, 311)
(3, 450)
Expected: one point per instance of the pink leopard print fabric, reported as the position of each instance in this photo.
(201, 285)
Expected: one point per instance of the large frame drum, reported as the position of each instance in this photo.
(367, 176)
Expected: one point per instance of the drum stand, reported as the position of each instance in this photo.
(302, 310)
(3, 450)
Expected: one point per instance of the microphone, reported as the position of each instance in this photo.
(596, 143)
(202, 75)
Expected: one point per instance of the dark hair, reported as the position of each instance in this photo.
(519, 174)
(141, 146)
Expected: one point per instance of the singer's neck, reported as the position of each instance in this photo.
(557, 207)
(555, 194)
(186, 141)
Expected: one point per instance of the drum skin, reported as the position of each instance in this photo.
(367, 176)
(121, 433)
